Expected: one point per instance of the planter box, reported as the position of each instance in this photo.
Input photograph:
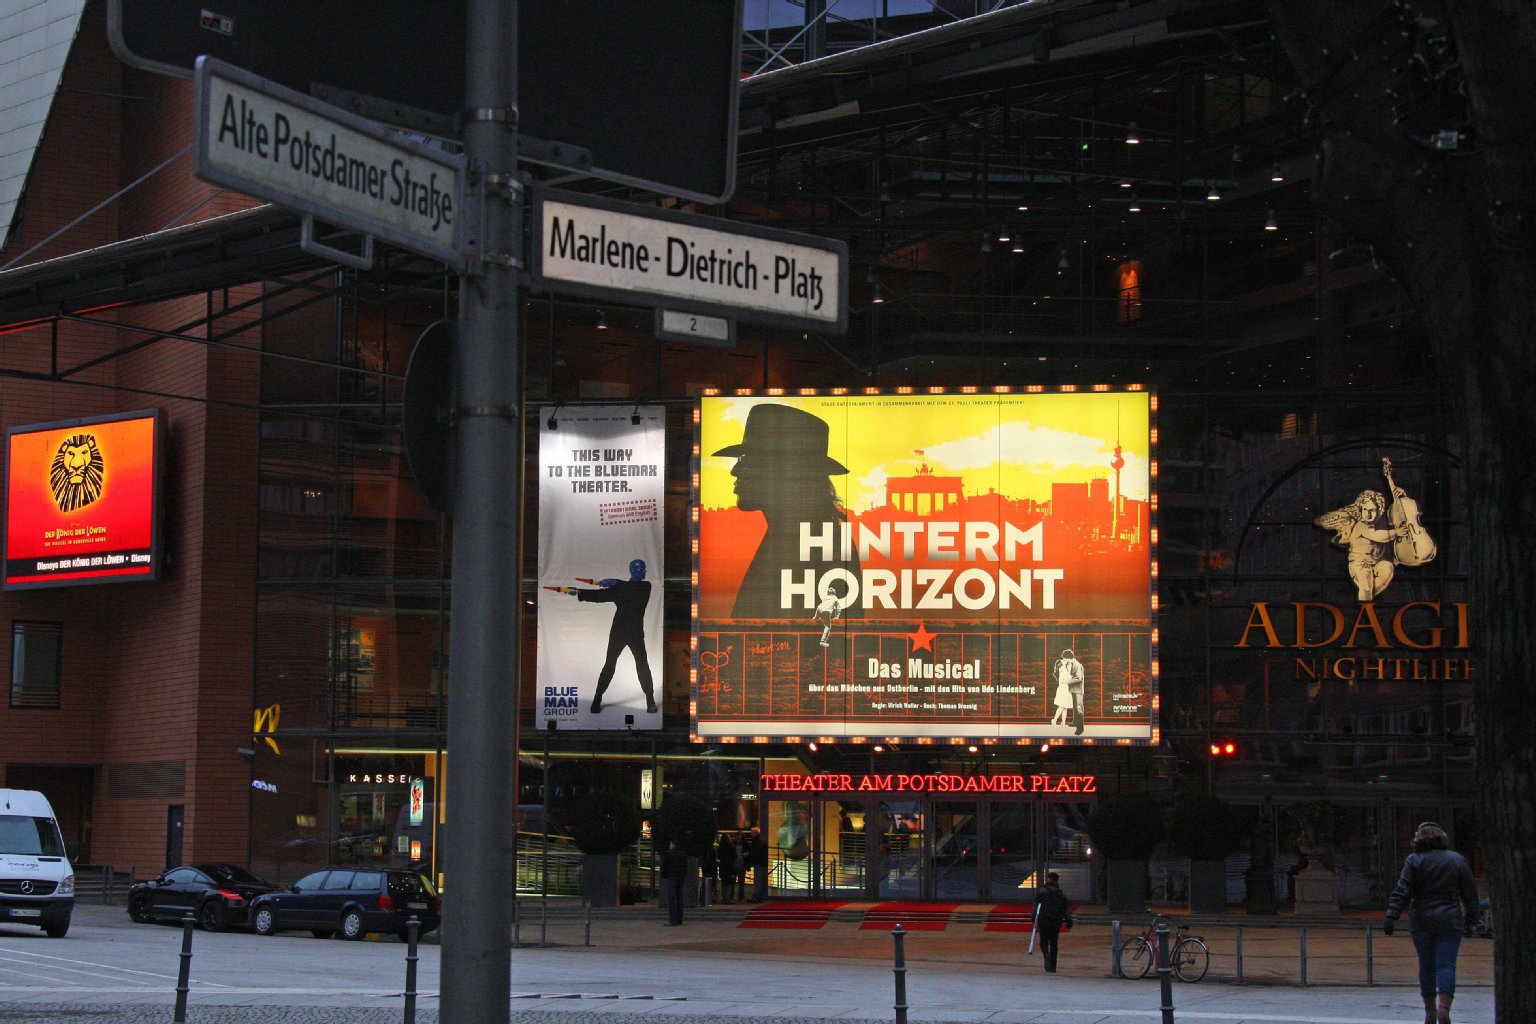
(1127, 886)
(600, 879)
(1208, 886)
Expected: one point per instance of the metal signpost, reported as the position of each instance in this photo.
(487, 542)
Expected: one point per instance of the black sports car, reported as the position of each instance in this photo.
(217, 895)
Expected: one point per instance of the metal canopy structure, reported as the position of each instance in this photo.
(992, 177)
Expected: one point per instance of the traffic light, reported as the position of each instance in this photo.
(1223, 748)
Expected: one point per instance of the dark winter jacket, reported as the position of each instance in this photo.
(674, 865)
(1438, 885)
(1051, 910)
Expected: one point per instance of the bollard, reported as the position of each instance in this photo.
(412, 931)
(1370, 962)
(899, 934)
(586, 936)
(1303, 956)
(1239, 954)
(1114, 950)
(1165, 969)
(183, 978)
(543, 923)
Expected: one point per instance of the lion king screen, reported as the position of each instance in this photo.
(80, 501)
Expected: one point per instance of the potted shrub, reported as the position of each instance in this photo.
(603, 825)
(691, 822)
(1125, 830)
(1206, 830)
(1318, 829)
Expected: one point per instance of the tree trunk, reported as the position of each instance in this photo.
(1451, 216)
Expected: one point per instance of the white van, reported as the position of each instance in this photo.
(37, 884)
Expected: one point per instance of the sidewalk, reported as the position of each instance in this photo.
(1271, 947)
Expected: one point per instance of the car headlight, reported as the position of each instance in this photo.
(67, 887)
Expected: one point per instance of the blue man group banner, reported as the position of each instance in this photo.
(601, 504)
(954, 565)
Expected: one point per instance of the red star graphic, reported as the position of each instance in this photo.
(922, 639)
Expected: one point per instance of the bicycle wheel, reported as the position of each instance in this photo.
(1191, 959)
(1136, 958)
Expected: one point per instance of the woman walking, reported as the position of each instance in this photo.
(1437, 884)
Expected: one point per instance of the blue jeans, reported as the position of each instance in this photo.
(1437, 962)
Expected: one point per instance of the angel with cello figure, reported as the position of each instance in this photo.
(1375, 548)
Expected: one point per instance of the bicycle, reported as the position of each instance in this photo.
(1190, 956)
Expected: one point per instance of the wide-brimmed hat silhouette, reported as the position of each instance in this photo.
(786, 435)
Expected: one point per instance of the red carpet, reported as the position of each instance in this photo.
(791, 914)
(914, 917)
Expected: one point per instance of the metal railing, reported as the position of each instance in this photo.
(101, 883)
(1312, 954)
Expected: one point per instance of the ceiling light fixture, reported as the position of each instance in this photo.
(1131, 138)
(602, 320)
(1063, 263)
(1275, 175)
(1213, 194)
(1136, 204)
(1018, 243)
(1271, 225)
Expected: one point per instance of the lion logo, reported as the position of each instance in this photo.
(76, 473)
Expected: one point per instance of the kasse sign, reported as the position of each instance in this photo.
(273, 143)
(625, 252)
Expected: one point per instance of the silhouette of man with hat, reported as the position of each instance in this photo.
(783, 470)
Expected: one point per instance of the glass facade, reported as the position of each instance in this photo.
(1371, 716)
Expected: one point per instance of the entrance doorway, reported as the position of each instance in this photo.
(68, 789)
(987, 849)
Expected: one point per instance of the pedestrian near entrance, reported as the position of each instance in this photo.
(757, 854)
(1436, 887)
(709, 870)
(1051, 912)
(674, 875)
(729, 856)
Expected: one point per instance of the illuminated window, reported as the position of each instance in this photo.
(1128, 292)
(37, 659)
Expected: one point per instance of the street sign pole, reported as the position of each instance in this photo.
(484, 635)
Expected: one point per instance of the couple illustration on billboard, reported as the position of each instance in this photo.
(1068, 673)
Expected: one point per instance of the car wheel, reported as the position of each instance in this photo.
(138, 911)
(211, 916)
(265, 921)
(56, 930)
(321, 933)
(352, 925)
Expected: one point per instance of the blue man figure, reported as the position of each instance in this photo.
(629, 598)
